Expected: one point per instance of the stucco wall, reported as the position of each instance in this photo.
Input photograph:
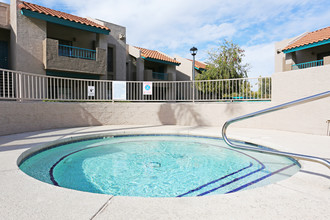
(295, 84)
(4, 15)
(27, 35)
(184, 71)
(171, 71)
(22, 117)
(280, 56)
(117, 40)
(135, 63)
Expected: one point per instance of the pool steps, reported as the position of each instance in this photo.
(244, 178)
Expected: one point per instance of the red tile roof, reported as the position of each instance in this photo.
(59, 14)
(199, 65)
(153, 54)
(310, 38)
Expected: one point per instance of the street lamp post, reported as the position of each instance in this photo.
(193, 52)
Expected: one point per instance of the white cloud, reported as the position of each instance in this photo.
(212, 32)
(261, 59)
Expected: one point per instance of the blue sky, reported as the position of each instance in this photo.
(174, 26)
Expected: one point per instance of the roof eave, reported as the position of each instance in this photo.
(64, 22)
(200, 68)
(160, 61)
(319, 43)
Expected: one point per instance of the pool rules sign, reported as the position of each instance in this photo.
(147, 88)
(91, 91)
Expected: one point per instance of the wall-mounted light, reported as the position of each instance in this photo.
(122, 36)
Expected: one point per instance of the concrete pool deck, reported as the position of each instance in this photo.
(306, 195)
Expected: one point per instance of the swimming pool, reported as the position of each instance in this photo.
(156, 166)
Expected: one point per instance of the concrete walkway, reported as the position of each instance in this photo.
(306, 195)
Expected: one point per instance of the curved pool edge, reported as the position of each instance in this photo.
(302, 195)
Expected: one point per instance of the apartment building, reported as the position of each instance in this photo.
(44, 41)
(310, 49)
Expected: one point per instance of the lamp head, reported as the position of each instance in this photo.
(193, 51)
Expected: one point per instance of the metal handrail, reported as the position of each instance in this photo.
(272, 109)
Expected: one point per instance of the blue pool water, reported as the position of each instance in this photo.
(156, 166)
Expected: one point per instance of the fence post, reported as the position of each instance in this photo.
(112, 92)
(20, 89)
(193, 90)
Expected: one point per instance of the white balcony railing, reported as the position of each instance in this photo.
(23, 86)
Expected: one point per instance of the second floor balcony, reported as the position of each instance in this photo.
(61, 57)
(307, 64)
(160, 76)
(149, 75)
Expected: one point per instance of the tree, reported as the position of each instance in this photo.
(224, 62)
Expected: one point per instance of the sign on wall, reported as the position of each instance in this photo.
(91, 90)
(119, 90)
(147, 88)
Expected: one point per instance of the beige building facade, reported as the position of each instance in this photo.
(184, 71)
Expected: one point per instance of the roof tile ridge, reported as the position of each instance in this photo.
(298, 38)
(198, 61)
(320, 29)
(77, 18)
(166, 55)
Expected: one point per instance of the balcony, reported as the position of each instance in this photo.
(73, 59)
(76, 52)
(307, 64)
(159, 76)
(149, 75)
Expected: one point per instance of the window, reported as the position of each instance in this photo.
(110, 59)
